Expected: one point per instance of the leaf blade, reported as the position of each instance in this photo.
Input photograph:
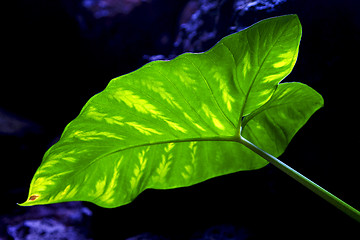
(255, 66)
(170, 123)
(277, 121)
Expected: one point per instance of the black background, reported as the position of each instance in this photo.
(52, 64)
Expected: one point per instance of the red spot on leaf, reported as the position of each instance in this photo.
(33, 197)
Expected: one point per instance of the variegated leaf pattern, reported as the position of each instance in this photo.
(175, 123)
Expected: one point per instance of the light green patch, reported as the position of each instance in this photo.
(164, 167)
(135, 101)
(259, 104)
(246, 65)
(142, 129)
(158, 87)
(187, 80)
(105, 192)
(99, 188)
(143, 106)
(266, 92)
(94, 135)
(286, 59)
(174, 125)
(115, 120)
(138, 170)
(69, 192)
(94, 114)
(41, 184)
(284, 93)
(217, 123)
(274, 77)
(69, 159)
(162, 170)
(225, 91)
(190, 168)
(193, 122)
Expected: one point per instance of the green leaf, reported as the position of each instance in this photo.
(177, 123)
(272, 126)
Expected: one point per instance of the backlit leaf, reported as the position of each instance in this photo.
(176, 123)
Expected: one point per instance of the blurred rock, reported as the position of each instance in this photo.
(200, 29)
(12, 125)
(110, 8)
(223, 232)
(147, 236)
(45, 229)
(58, 221)
(204, 22)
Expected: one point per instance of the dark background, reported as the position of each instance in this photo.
(57, 54)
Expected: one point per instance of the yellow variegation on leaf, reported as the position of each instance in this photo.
(177, 123)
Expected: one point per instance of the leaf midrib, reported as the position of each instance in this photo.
(234, 138)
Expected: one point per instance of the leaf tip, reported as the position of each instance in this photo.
(30, 200)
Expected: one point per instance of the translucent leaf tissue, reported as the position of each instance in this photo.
(176, 123)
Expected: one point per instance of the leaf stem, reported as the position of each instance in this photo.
(343, 206)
